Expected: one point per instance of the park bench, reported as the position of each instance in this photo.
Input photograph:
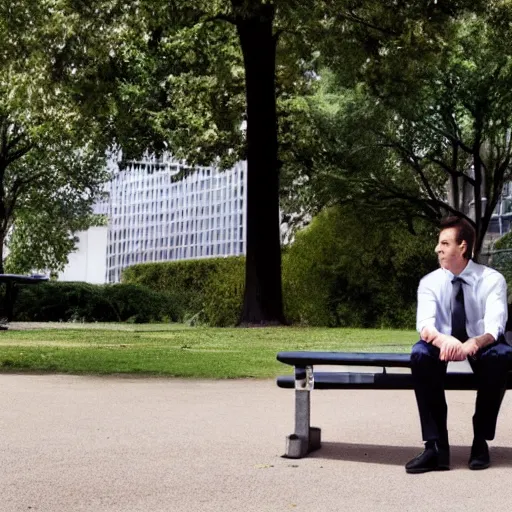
(12, 281)
(306, 438)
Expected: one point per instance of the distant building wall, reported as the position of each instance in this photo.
(88, 263)
(501, 221)
(152, 218)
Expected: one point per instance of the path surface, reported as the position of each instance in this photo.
(70, 444)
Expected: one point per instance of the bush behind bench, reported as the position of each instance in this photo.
(206, 291)
(83, 302)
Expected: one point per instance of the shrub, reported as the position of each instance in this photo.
(223, 294)
(206, 290)
(502, 261)
(77, 301)
(348, 270)
(139, 304)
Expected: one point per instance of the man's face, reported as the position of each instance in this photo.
(449, 252)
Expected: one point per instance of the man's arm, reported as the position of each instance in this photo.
(426, 311)
(451, 349)
(495, 317)
(473, 345)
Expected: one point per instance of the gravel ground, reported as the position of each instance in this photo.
(98, 444)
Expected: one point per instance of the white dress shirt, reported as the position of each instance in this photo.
(485, 300)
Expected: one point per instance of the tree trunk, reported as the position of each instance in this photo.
(3, 210)
(454, 188)
(477, 188)
(263, 303)
(2, 240)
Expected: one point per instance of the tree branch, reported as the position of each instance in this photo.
(450, 171)
(351, 16)
(18, 154)
(3, 128)
(220, 17)
(449, 136)
(15, 192)
(15, 140)
(409, 158)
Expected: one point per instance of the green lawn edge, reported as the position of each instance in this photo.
(171, 350)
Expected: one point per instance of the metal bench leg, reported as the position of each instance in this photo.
(306, 438)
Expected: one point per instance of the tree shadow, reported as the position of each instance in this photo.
(501, 456)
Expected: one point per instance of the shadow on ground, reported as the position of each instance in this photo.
(399, 455)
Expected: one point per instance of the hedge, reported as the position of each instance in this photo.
(77, 301)
(342, 270)
(207, 290)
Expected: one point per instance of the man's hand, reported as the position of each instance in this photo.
(452, 349)
(429, 333)
(470, 347)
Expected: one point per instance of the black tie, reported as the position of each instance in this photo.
(458, 313)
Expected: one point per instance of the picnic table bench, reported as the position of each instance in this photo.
(11, 290)
(306, 438)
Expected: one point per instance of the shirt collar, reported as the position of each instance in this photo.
(467, 275)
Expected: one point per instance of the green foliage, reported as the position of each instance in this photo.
(197, 78)
(224, 293)
(502, 259)
(52, 155)
(206, 290)
(171, 75)
(345, 269)
(83, 302)
(42, 240)
(445, 103)
(411, 113)
(349, 269)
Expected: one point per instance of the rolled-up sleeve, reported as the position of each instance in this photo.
(496, 310)
(426, 312)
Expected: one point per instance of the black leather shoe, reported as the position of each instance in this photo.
(479, 458)
(430, 459)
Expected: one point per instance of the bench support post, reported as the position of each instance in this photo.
(305, 439)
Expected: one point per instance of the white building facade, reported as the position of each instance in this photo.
(153, 218)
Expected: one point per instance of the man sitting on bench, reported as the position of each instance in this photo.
(462, 311)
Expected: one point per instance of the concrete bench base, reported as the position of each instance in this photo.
(297, 447)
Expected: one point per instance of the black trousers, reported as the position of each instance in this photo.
(490, 366)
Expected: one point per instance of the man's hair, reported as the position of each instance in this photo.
(464, 231)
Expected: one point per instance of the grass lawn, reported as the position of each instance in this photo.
(180, 351)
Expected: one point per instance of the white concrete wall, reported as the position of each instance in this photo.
(88, 263)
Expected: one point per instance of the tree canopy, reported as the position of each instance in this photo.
(199, 79)
(52, 159)
(420, 125)
(410, 96)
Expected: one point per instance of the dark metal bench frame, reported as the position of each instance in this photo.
(306, 438)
